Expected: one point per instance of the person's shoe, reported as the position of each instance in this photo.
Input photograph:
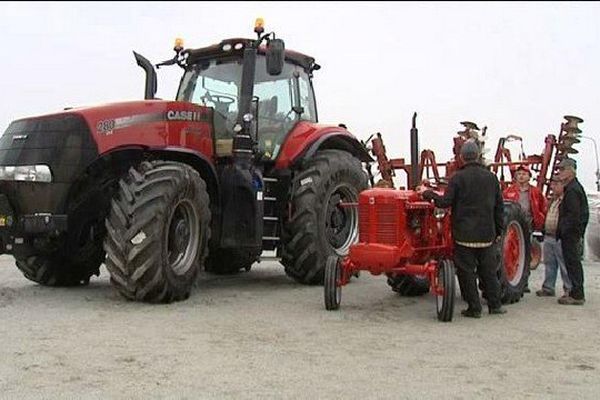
(471, 313)
(499, 310)
(569, 301)
(544, 293)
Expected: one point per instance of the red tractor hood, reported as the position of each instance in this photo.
(148, 123)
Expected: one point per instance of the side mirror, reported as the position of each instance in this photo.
(275, 56)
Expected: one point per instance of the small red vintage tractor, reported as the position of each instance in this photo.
(409, 240)
(157, 190)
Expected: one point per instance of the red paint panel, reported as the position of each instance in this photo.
(301, 137)
(150, 123)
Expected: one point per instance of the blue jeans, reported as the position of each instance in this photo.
(553, 260)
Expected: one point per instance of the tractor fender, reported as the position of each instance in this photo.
(307, 138)
(198, 161)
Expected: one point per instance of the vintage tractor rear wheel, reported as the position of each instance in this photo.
(158, 232)
(318, 226)
(409, 285)
(514, 262)
(332, 288)
(445, 303)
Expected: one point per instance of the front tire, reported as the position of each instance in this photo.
(57, 269)
(515, 254)
(445, 303)
(319, 227)
(157, 232)
(72, 258)
(332, 285)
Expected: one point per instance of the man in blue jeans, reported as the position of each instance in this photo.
(553, 255)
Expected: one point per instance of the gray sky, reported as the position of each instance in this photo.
(515, 67)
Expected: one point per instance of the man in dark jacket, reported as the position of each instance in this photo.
(573, 216)
(475, 198)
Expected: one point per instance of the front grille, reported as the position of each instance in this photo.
(386, 223)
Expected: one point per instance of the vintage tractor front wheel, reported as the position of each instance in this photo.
(514, 259)
(332, 284)
(320, 225)
(158, 232)
(445, 302)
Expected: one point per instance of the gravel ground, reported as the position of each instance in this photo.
(260, 335)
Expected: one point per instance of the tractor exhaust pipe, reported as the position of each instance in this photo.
(151, 81)
(414, 154)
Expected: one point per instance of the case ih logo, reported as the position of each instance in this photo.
(173, 115)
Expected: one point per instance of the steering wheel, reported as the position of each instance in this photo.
(219, 98)
(223, 99)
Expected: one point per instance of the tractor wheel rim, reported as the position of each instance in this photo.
(341, 223)
(183, 237)
(514, 253)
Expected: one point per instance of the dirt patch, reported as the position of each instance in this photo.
(259, 334)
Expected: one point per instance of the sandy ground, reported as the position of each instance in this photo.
(260, 335)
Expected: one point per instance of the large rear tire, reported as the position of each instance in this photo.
(157, 232)
(319, 227)
(515, 254)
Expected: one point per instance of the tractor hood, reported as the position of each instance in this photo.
(76, 135)
(147, 123)
(150, 117)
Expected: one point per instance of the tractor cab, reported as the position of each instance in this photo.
(213, 78)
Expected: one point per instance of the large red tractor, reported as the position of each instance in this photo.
(235, 165)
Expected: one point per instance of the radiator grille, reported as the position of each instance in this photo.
(386, 223)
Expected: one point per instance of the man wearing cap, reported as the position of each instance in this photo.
(475, 197)
(553, 255)
(530, 198)
(573, 216)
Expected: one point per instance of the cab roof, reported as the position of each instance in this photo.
(236, 49)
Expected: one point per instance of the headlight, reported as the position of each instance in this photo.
(26, 173)
(439, 213)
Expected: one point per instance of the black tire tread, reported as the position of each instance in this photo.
(143, 198)
(330, 287)
(304, 252)
(448, 275)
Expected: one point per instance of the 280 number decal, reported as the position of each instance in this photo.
(105, 126)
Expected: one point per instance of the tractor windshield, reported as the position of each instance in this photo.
(217, 84)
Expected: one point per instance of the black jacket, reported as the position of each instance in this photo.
(477, 206)
(573, 212)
